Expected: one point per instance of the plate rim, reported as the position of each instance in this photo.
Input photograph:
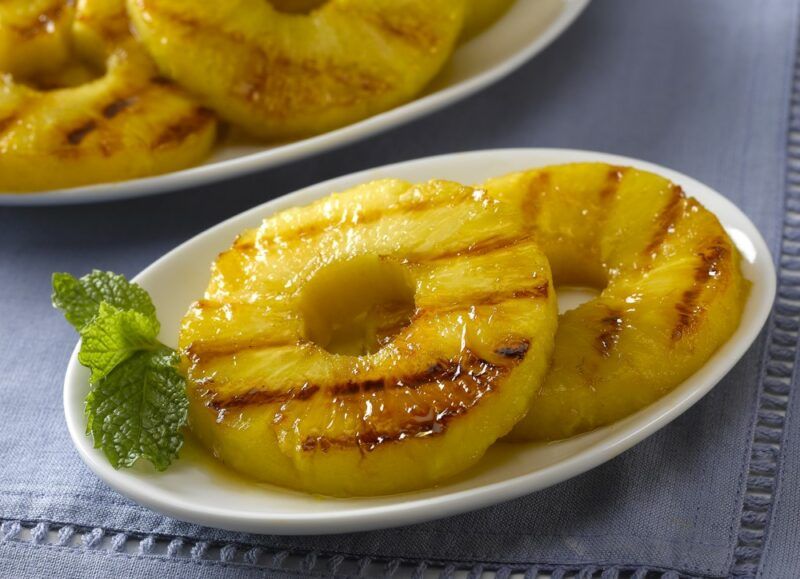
(408, 509)
(248, 164)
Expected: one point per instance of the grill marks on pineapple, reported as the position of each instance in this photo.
(610, 329)
(613, 180)
(536, 291)
(118, 105)
(538, 185)
(446, 389)
(458, 385)
(7, 122)
(96, 120)
(283, 85)
(261, 397)
(438, 373)
(666, 219)
(414, 33)
(177, 132)
(366, 217)
(483, 247)
(515, 349)
(100, 120)
(541, 182)
(279, 82)
(206, 350)
(77, 135)
(712, 257)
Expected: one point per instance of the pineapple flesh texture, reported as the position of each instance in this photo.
(34, 36)
(672, 290)
(376, 341)
(125, 124)
(279, 75)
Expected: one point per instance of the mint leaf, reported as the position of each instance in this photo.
(137, 405)
(113, 336)
(138, 409)
(80, 299)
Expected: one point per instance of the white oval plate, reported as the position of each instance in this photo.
(524, 31)
(195, 491)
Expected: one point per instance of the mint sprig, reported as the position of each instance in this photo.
(137, 404)
(139, 409)
(113, 336)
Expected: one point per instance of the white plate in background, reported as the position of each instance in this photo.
(524, 31)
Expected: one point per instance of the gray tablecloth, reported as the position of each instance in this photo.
(703, 87)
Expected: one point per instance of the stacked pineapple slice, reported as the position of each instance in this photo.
(123, 124)
(283, 75)
(376, 341)
(282, 69)
(672, 291)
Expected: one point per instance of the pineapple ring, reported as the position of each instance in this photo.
(123, 125)
(280, 75)
(277, 387)
(672, 289)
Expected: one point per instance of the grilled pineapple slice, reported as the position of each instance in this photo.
(280, 75)
(376, 341)
(672, 289)
(34, 36)
(128, 123)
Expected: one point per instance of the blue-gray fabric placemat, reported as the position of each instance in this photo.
(707, 88)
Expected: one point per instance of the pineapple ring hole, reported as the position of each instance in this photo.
(572, 296)
(357, 306)
(297, 6)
